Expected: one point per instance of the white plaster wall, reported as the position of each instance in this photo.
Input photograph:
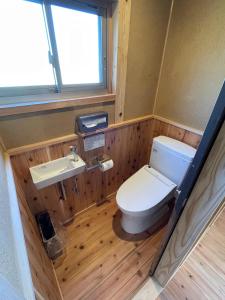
(7, 291)
(8, 261)
(15, 275)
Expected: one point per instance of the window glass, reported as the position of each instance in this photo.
(24, 45)
(77, 39)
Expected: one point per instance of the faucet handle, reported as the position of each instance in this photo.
(73, 152)
(73, 148)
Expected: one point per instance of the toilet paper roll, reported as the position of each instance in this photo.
(106, 165)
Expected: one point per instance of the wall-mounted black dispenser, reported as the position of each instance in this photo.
(92, 122)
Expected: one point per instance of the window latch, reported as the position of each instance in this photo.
(50, 58)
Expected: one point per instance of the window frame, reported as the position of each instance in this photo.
(59, 87)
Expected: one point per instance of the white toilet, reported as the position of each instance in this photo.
(143, 197)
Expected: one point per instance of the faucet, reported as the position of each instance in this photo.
(73, 152)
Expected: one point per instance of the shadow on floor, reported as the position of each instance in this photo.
(116, 225)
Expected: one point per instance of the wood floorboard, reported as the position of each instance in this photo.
(124, 271)
(135, 282)
(102, 261)
(202, 276)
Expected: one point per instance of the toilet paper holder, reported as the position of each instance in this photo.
(97, 161)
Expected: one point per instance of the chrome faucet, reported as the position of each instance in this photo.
(73, 151)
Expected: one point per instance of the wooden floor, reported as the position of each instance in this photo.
(102, 261)
(202, 276)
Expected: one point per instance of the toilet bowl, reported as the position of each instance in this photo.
(143, 198)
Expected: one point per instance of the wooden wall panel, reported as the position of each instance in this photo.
(128, 146)
(38, 200)
(183, 135)
(43, 275)
(130, 149)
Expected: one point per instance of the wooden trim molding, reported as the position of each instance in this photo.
(124, 12)
(29, 107)
(57, 282)
(204, 202)
(42, 144)
(71, 137)
(191, 129)
(118, 125)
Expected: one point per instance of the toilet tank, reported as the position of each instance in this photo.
(171, 158)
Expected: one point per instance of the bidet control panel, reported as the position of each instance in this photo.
(92, 122)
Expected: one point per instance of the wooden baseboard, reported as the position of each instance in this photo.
(57, 282)
(109, 197)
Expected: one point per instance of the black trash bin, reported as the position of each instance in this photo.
(52, 241)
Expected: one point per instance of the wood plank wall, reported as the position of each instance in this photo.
(176, 132)
(43, 276)
(129, 146)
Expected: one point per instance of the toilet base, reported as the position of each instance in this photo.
(137, 224)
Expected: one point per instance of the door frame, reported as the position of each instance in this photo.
(162, 267)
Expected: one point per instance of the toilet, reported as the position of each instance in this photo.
(143, 198)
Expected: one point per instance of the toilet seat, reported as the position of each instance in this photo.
(144, 191)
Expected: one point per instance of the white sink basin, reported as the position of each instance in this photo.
(56, 170)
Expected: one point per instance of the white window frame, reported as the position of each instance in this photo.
(59, 87)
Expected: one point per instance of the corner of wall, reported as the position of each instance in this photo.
(163, 56)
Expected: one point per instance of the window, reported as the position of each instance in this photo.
(51, 46)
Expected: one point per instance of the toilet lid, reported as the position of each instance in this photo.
(143, 190)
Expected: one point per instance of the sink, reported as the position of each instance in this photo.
(56, 170)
